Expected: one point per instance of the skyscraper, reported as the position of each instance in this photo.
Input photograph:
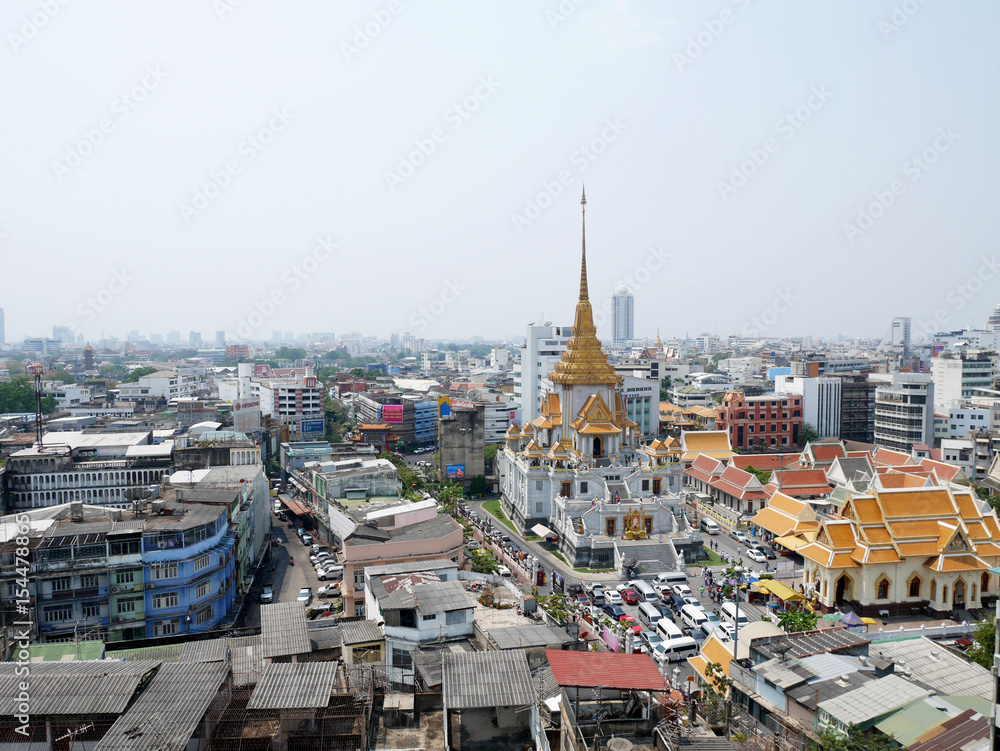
(220, 338)
(901, 335)
(622, 303)
(2, 339)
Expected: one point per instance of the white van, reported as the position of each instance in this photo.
(693, 617)
(728, 615)
(649, 614)
(676, 650)
(709, 526)
(668, 630)
(643, 590)
(670, 578)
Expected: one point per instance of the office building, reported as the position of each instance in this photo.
(220, 338)
(904, 410)
(544, 345)
(768, 422)
(821, 401)
(623, 317)
(900, 336)
(962, 376)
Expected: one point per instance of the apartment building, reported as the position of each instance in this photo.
(904, 410)
(962, 376)
(770, 421)
(543, 348)
(821, 400)
(163, 384)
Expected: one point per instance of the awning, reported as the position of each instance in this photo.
(779, 590)
(540, 530)
(295, 507)
(994, 570)
(791, 542)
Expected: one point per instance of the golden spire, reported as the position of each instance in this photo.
(658, 344)
(584, 361)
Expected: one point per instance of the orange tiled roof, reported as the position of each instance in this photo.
(841, 534)
(956, 563)
(913, 502)
(877, 535)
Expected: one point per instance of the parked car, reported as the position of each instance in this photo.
(615, 611)
(612, 597)
(581, 600)
(307, 540)
(267, 594)
(756, 556)
(305, 596)
(329, 590)
(503, 571)
(691, 600)
(650, 638)
(589, 587)
(473, 545)
(630, 597)
(681, 589)
(739, 536)
(728, 631)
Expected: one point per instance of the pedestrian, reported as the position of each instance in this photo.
(702, 590)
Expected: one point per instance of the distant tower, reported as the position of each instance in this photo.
(622, 305)
(88, 358)
(901, 335)
(992, 323)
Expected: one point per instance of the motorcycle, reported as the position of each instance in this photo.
(291, 560)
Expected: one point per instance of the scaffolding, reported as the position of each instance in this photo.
(342, 725)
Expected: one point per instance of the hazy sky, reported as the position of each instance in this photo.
(416, 166)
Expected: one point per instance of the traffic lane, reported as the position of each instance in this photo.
(548, 561)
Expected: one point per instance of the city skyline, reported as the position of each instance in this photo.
(331, 158)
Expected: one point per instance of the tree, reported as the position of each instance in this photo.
(854, 740)
(665, 384)
(484, 562)
(807, 433)
(290, 353)
(797, 620)
(477, 485)
(19, 396)
(61, 375)
(983, 643)
(762, 475)
(138, 373)
(449, 495)
(490, 455)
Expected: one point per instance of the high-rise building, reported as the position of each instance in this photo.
(901, 334)
(174, 337)
(543, 348)
(220, 338)
(63, 333)
(904, 410)
(623, 311)
(194, 338)
(821, 399)
(992, 323)
(2, 339)
(961, 376)
(133, 335)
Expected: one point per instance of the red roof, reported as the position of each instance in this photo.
(295, 507)
(605, 669)
(827, 453)
(765, 461)
(705, 468)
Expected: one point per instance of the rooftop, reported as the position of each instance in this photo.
(294, 685)
(476, 680)
(605, 669)
(76, 687)
(873, 700)
(284, 630)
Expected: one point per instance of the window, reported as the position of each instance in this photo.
(165, 600)
(126, 606)
(454, 617)
(58, 613)
(915, 586)
(538, 507)
(88, 581)
(204, 562)
(203, 588)
(933, 589)
(401, 659)
(583, 488)
(160, 571)
(62, 584)
(359, 579)
(882, 588)
(203, 616)
(750, 428)
(431, 617)
(166, 628)
(538, 484)
(566, 489)
(359, 610)
(91, 609)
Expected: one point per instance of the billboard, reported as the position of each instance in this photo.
(313, 427)
(392, 413)
(455, 471)
(246, 415)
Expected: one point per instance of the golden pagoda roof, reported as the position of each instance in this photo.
(513, 433)
(584, 362)
(527, 429)
(559, 451)
(533, 449)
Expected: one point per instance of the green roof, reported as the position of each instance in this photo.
(911, 722)
(63, 651)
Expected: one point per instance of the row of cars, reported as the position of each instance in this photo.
(757, 551)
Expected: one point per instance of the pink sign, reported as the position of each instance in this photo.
(392, 413)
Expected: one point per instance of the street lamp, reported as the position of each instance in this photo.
(738, 570)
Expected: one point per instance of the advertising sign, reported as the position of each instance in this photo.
(463, 404)
(444, 406)
(392, 413)
(455, 471)
(611, 639)
(312, 427)
(246, 415)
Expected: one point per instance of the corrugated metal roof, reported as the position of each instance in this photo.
(605, 669)
(476, 680)
(284, 629)
(324, 638)
(932, 664)
(360, 632)
(873, 700)
(784, 673)
(166, 653)
(801, 645)
(429, 598)
(204, 650)
(77, 687)
(523, 637)
(164, 717)
(969, 730)
(294, 685)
